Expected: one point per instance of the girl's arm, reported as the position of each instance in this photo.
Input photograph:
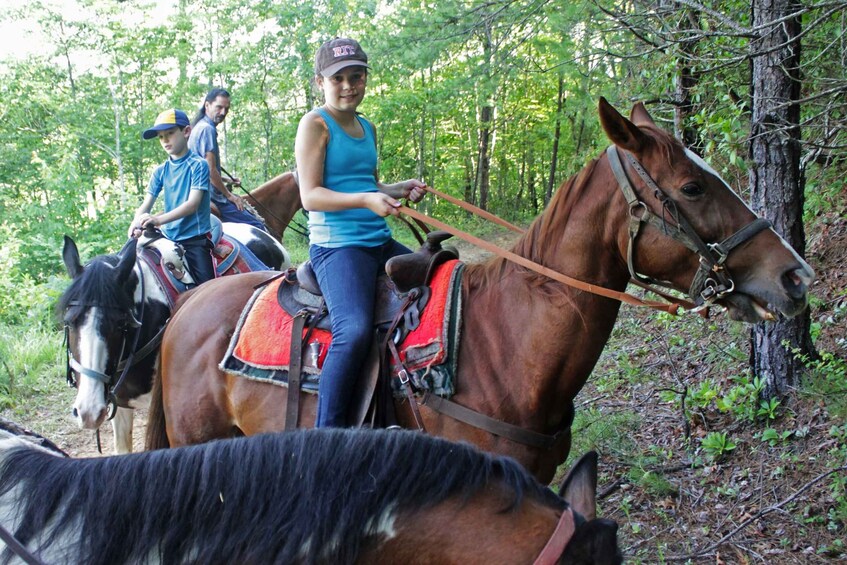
(413, 189)
(310, 152)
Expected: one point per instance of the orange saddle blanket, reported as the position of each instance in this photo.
(260, 348)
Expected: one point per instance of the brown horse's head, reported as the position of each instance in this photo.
(747, 266)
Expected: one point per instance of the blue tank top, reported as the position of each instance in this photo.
(349, 167)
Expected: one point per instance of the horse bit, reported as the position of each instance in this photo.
(712, 281)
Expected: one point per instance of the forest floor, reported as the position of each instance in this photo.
(715, 479)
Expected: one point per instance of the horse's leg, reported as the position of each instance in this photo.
(122, 428)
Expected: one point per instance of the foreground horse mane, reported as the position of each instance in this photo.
(303, 496)
(96, 286)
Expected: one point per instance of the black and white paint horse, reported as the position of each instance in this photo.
(316, 496)
(114, 311)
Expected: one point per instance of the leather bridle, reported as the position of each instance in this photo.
(123, 365)
(712, 281)
(555, 547)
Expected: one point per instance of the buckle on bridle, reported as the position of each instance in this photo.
(719, 252)
(713, 290)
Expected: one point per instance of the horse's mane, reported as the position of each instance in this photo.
(305, 496)
(549, 227)
(546, 232)
(96, 286)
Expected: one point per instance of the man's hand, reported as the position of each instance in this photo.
(237, 200)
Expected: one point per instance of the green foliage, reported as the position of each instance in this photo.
(28, 357)
(717, 445)
(826, 378)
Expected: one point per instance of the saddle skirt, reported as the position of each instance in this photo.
(165, 259)
(427, 334)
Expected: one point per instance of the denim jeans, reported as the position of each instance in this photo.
(231, 213)
(198, 256)
(347, 277)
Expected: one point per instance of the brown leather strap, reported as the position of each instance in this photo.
(492, 425)
(295, 367)
(555, 547)
(474, 210)
(672, 308)
(406, 385)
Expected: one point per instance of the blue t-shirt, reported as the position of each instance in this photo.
(349, 167)
(204, 139)
(177, 178)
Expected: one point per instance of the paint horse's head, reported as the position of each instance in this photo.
(99, 311)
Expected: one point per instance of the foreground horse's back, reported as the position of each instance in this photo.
(318, 496)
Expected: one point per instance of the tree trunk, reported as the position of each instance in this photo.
(686, 81)
(554, 159)
(776, 180)
(483, 173)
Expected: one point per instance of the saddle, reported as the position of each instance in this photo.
(415, 269)
(419, 337)
(166, 258)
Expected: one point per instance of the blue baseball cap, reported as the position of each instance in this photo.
(166, 120)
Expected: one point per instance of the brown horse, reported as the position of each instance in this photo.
(316, 496)
(276, 202)
(528, 343)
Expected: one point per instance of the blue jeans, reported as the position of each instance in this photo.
(231, 213)
(347, 277)
(198, 256)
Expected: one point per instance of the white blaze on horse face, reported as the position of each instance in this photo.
(806, 273)
(90, 403)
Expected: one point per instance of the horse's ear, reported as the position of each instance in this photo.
(640, 115)
(127, 262)
(580, 486)
(621, 131)
(70, 255)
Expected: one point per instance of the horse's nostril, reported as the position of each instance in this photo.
(75, 412)
(794, 283)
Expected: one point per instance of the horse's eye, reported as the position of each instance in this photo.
(692, 189)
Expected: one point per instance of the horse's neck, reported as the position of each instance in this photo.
(279, 196)
(545, 335)
(155, 298)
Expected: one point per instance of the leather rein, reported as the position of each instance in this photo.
(711, 282)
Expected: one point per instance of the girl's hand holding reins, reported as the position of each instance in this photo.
(382, 204)
(414, 190)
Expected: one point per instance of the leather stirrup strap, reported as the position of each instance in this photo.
(407, 386)
(295, 369)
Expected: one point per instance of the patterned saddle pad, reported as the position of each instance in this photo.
(260, 347)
